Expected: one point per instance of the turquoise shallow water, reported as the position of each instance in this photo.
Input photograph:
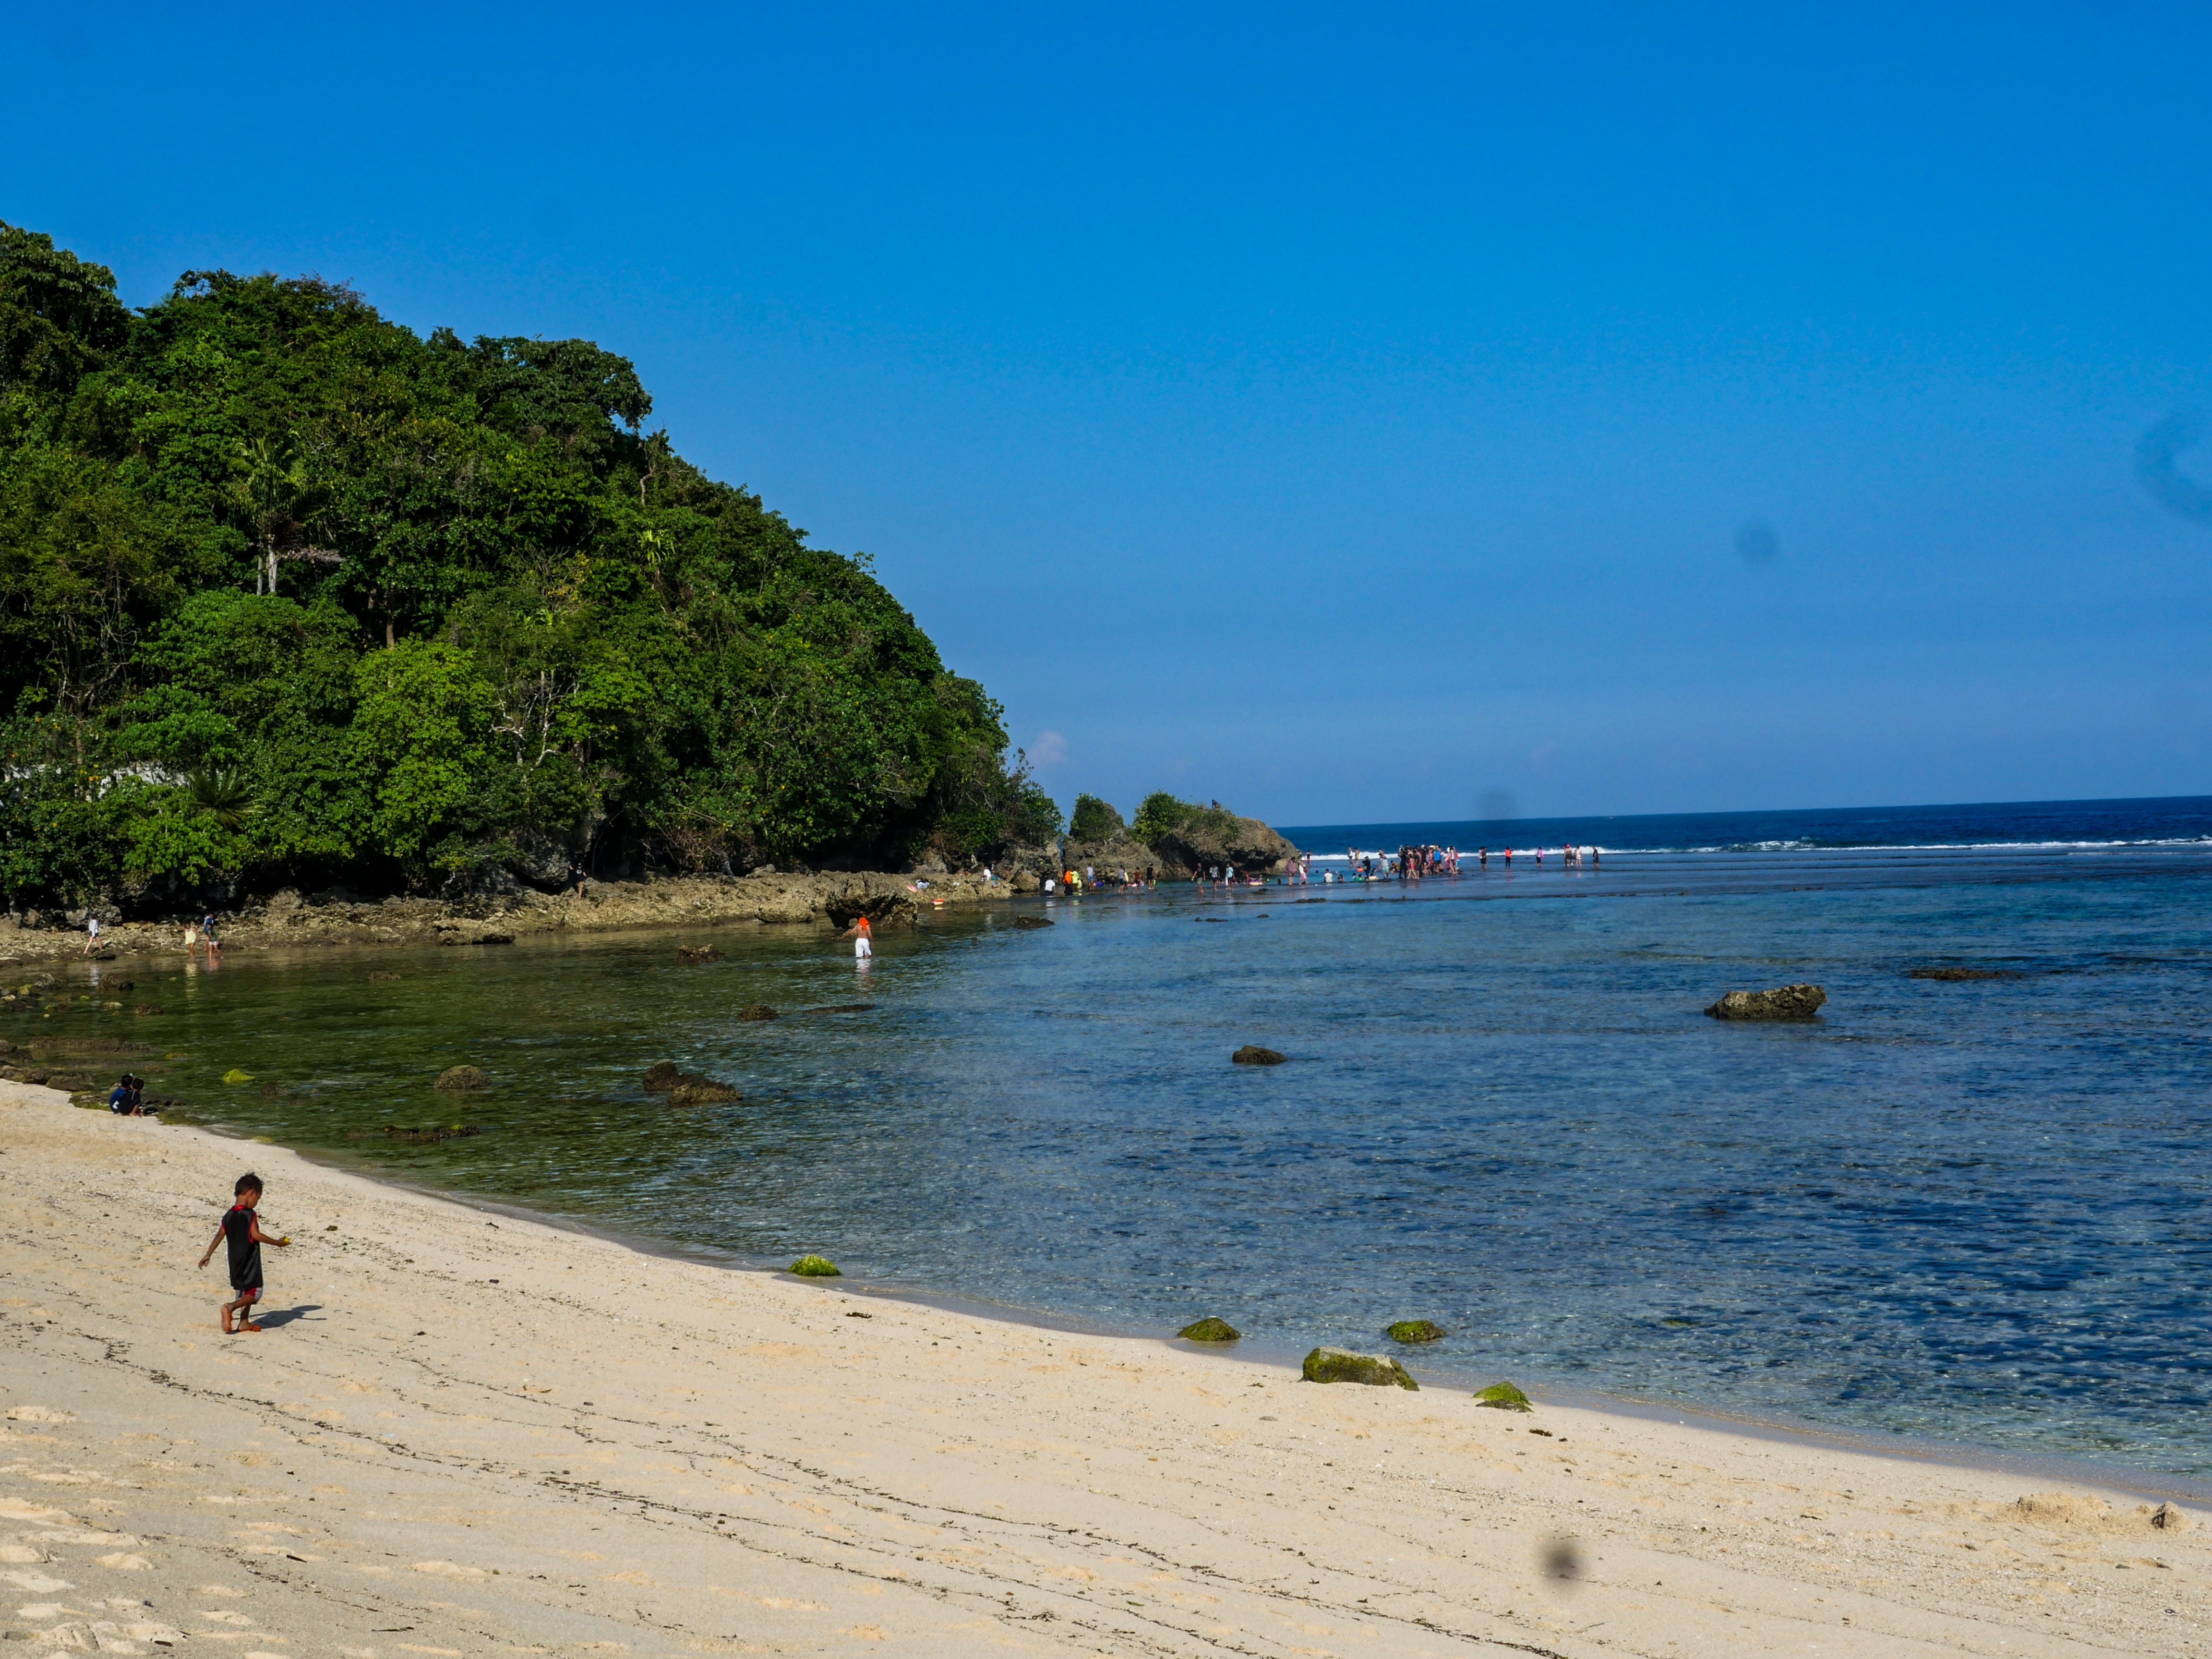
(1974, 1212)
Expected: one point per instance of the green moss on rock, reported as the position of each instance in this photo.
(1504, 1396)
(1210, 1330)
(1413, 1330)
(1342, 1365)
(457, 1077)
(816, 1266)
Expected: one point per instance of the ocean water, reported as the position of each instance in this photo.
(1974, 1212)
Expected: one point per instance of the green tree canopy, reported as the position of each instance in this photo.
(506, 623)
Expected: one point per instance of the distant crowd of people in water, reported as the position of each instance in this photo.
(1412, 863)
(1408, 863)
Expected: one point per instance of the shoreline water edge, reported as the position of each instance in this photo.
(884, 1474)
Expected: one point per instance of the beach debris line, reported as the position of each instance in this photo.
(1502, 1396)
(1253, 1055)
(1784, 1002)
(457, 1078)
(1210, 1329)
(815, 1266)
(1415, 1330)
(1342, 1365)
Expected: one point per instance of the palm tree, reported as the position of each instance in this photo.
(221, 793)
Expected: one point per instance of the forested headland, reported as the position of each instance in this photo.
(292, 595)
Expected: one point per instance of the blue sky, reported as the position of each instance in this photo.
(1352, 414)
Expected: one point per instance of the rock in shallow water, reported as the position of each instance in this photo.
(1785, 1002)
(1342, 1365)
(660, 1076)
(692, 1091)
(816, 1266)
(1032, 921)
(1253, 1055)
(1414, 1330)
(1210, 1330)
(463, 1077)
(756, 1011)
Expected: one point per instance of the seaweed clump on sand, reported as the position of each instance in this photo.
(1502, 1396)
(1341, 1366)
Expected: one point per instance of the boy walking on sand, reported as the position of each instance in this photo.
(241, 1230)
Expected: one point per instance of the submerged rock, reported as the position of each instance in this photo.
(1210, 1330)
(1414, 1330)
(1253, 1055)
(1342, 1365)
(1502, 1396)
(382, 978)
(660, 1076)
(1785, 1002)
(756, 1011)
(693, 1090)
(1966, 973)
(698, 953)
(816, 1266)
(1032, 921)
(463, 1077)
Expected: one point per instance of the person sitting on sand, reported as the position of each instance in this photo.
(240, 1228)
(125, 1099)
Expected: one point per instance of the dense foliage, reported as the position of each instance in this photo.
(289, 592)
(1161, 816)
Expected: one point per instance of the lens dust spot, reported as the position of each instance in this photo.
(1756, 544)
(2157, 453)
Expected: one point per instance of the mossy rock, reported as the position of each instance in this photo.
(1032, 921)
(1502, 1396)
(1210, 1330)
(1414, 1330)
(756, 1011)
(234, 1076)
(1253, 1055)
(701, 1091)
(816, 1266)
(1377, 1370)
(661, 1076)
(458, 1078)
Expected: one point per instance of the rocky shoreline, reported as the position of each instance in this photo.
(768, 898)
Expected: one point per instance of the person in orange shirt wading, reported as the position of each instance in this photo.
(862, 937)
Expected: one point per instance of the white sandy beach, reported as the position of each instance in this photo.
(463, 1433)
